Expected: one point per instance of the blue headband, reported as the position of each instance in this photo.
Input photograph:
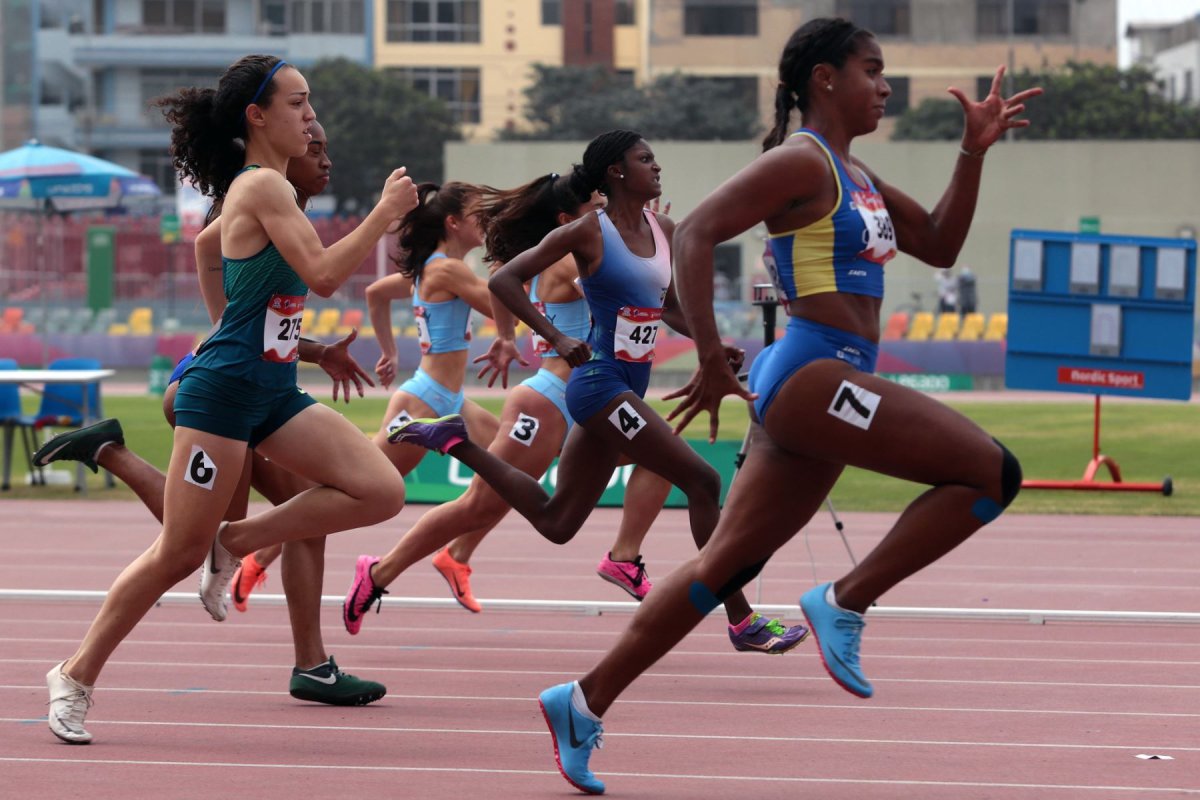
(262, 86)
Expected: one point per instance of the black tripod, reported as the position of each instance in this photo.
(766, 299)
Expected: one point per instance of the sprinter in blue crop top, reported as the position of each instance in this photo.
(259, 115)
(534, 420)
(828, 410)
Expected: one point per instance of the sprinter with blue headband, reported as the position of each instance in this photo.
(240, 392)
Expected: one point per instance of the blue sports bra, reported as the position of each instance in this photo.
(441, 327)
(572, 318)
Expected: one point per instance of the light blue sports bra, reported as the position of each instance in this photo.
(441, 327)
(572, 318)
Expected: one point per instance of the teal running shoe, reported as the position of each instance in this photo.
(838, 634)
(574, 737)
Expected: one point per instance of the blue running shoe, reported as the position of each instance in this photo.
(433, 434)
(838, 634)
(574, 737)
(769, 636)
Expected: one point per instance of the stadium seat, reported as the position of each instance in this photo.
(141, 321)
(119, 329)
(972, 328)
(12, 319)
(921, 328)
(307, 319)
(947, 327)
(897, 325)
(103, 320)
(997, 328)
(327, 320)
(351, 318)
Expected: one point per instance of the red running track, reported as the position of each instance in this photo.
(193, 708)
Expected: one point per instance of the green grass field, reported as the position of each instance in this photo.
(1053, 441)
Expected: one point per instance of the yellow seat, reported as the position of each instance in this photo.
(921, 327)
(141, 321)
(118, 329)
(327, 320)
(307, 319)
(997, 328)
(947, 327)
(972, 328)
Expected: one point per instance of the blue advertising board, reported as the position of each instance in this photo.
(1101, 314)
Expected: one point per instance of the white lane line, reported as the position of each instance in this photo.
(924, 657)
(869, 707)
(606, 774)
(611, 735)
(653, 673)
(517, 631)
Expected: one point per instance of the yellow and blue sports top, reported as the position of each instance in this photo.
(845, 250)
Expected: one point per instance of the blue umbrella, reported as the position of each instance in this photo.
(37, 177)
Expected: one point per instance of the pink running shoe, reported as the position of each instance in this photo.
(362, 595)
(629, 575)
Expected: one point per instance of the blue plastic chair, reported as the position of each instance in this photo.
(12, 419)
(62, 404)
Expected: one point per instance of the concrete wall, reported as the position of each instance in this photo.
(1137, 188)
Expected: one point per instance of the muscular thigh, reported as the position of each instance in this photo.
(323, 446)
(482, 424)
(202, 477)
(833, 412)
(530, 432)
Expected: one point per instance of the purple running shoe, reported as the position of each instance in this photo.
(433, 434)
(767, 636)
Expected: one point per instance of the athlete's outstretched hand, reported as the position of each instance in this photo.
(342, 368)
(710, 383)
(987, 120)
(498, 357)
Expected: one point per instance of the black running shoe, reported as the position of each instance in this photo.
(328, 684)
(81, 444)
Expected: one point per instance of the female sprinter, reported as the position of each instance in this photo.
(818, 407)
(241, 391)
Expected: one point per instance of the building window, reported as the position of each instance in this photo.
(278, 17)
(720, 18)
(157, 164)
(433, 20)
(1029, 17)
(552, 12)
(881, 17)
(157, 83)
(625, 13)
(184, 16)
(457, 87)
(897, 103)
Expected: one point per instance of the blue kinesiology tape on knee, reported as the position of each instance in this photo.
(702, 598)
(986, 509)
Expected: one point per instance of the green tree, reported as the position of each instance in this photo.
(573, 103)
(375, 123)
(1081, 101)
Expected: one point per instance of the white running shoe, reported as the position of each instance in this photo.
(215, 577)
(69, 703)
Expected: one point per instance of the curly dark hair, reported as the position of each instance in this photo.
(208, 126)
(602, 152)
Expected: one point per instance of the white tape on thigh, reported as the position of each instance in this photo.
(627, 420)
(201, 470)
(525, 429)
(854, 404)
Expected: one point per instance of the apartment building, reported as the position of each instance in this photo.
(476, 54)
(99, 63)
(1172, 49)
